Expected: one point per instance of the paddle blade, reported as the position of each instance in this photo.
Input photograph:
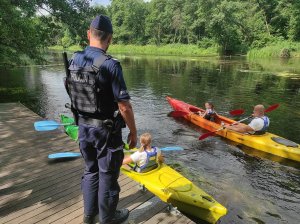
(45, 125)
(61, 155)
(237, 112)
(177, 114)
(272, 107)
(206, 135)
(172, 148)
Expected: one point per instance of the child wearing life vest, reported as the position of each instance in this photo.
(147, 157)
(209, 113)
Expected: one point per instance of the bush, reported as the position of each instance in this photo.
(285, 53)
(206, 43)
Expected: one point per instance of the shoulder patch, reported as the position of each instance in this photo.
(123, 92)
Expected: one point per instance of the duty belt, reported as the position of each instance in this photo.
(95, 122)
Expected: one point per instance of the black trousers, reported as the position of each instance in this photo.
(102, 168)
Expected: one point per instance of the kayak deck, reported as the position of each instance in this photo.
(172, 187)
(265, 142)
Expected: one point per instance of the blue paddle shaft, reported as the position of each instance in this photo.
(64, 155)
(77, 154)
(48, 125)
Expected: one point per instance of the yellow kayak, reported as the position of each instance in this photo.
(268, 142)
(168, 185)
(171, 187)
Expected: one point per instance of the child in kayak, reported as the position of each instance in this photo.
(209, 113)
(147, 157)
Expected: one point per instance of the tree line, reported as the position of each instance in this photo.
(29, 26)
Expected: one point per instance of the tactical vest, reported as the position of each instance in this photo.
(84, 88)
(265, 127)
(151, 162)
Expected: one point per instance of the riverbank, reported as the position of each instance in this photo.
(284, 49)
(170, 49)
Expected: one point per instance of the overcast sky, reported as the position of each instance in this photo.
(101, 2)
(105, 2)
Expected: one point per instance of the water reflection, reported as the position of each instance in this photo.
(255, 187)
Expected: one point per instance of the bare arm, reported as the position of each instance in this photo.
(128, 116)
(160, 158)
(240, 127)
(127, 160)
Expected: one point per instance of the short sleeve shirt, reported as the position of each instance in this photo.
(257, 124)
(140, 158)
(111, 78)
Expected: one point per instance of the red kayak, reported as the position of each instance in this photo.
(267, 142)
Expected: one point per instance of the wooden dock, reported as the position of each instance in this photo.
(35, 190)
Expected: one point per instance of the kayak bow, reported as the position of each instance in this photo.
(171, 187)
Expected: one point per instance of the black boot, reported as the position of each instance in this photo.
(90, 219)
(120, 216)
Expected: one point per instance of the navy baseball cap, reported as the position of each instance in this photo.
(102, 23)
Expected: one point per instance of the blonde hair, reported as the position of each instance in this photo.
(145, 141)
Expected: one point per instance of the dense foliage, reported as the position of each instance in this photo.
(27, 26)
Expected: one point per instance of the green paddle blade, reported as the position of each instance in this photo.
(71, 130)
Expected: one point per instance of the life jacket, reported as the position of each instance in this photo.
(265, 127)
(151, 162)
(83, 86)
(210, 115)
(210, 111)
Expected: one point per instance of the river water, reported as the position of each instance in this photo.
(255, 187)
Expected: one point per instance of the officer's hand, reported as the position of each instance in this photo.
(131, 140)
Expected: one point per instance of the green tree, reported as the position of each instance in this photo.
(128, 18)
(26, 25)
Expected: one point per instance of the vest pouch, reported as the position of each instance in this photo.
(83, 91)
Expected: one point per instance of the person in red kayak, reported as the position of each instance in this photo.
(147, 157)
(209, 113)
(257, 126)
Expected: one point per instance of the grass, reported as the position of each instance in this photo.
(170, 49)
(275, 50)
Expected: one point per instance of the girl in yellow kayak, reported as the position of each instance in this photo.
(147, 157)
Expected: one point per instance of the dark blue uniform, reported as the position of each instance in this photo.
(102, 159)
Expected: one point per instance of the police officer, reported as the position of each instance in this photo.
(101, 104)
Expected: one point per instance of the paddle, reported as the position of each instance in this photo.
(61, 155)
(179, 113)
(237, 112)
(205, 135)
(48, 125)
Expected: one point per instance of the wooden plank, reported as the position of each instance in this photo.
(146, 210)
(42, 180)
(35, 190)
(184, 220)
(164, 217)
(39, 212)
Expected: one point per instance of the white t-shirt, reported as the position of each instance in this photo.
(257, 124)
(140, 158)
